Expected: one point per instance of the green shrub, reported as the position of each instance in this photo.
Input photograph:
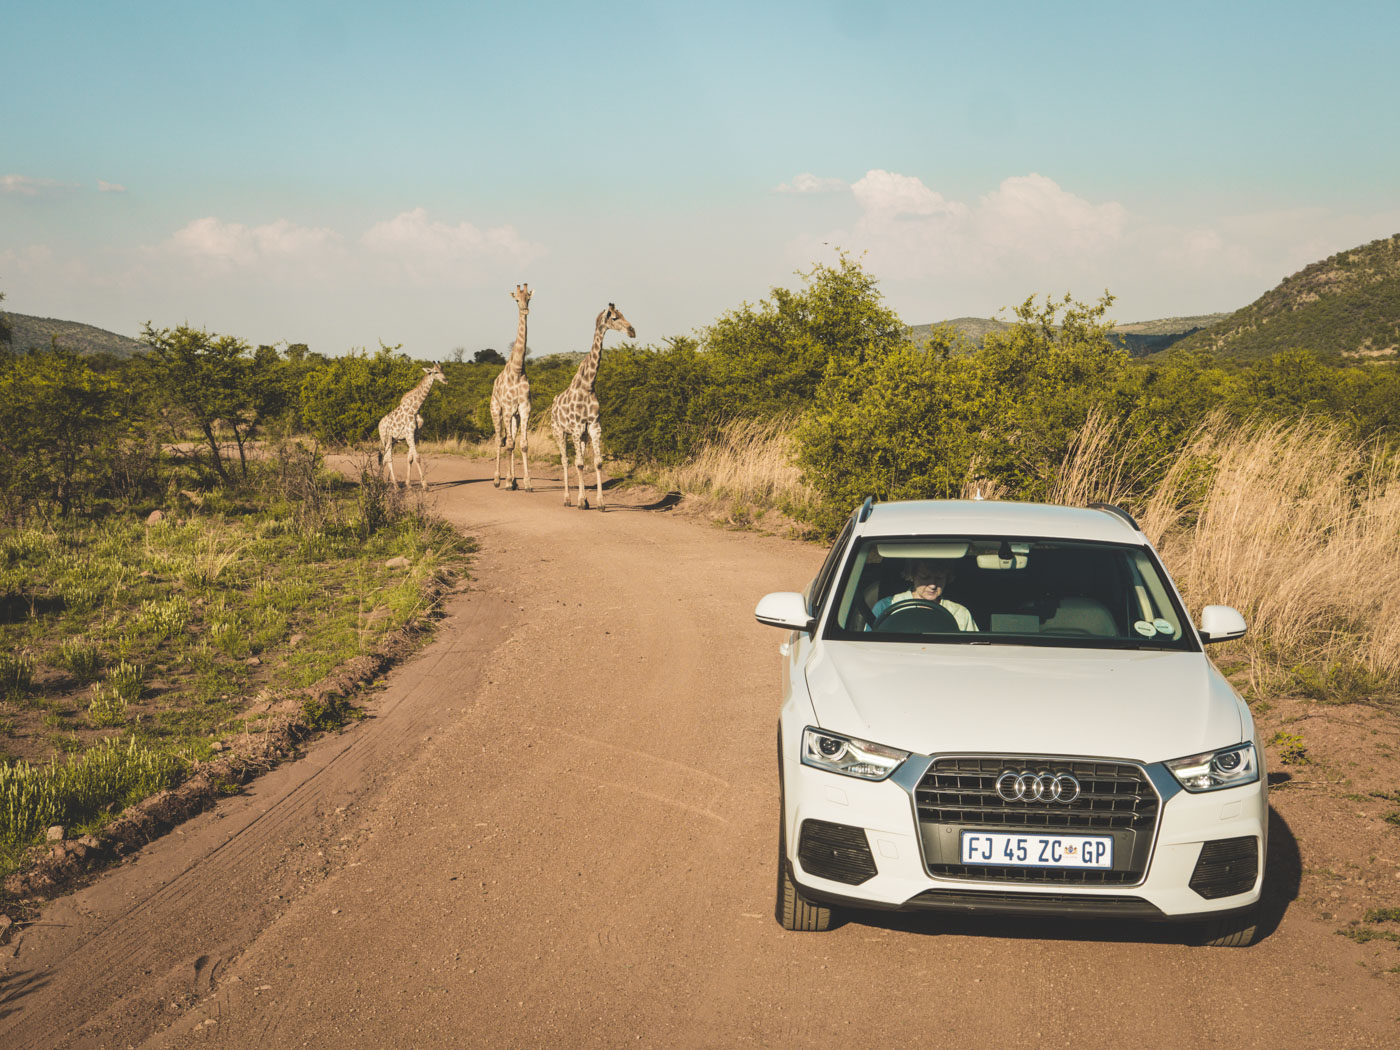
(107, 708)
(16, 675)
(166, 618)
(1291, 749)
(80, 656)
(126, 680)
(77, 790)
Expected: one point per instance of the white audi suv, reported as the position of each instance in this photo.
(1003, 708)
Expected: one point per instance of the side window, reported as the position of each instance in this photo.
(816, 597)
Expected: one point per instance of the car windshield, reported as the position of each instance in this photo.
(1007, 591)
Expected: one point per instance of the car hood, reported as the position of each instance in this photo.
(1134, 704)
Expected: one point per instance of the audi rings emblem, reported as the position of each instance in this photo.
(1026, 786)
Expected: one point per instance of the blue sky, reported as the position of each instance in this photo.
(346, 173)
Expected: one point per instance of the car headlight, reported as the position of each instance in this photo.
(1213, 770)
(849, 756)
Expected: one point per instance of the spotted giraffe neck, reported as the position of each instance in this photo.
(588, 367)
(516, 364)
(414, 399)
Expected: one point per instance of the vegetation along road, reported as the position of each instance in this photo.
(558, 828)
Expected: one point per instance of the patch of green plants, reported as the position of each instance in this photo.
(108, 708)
(1365, 934)
(82, 657)
(157, 623)
(1341, 682)
(1292, 751)
(330, 713)
(79, 789)
(1382, 915)
(16, 675)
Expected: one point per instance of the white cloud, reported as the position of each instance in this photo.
(110, 187)
(28, 186)
(1031, 212)
(213, 240)
(884, 195)
(426, 248)
(809, 183)
(910, 230)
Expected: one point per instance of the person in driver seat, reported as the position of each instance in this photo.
(927, 580)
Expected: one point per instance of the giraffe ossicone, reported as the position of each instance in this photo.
(510, 399)
(574, 413)
(402, 424)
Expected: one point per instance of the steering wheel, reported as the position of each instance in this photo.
(916, 616)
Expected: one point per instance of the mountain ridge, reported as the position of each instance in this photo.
(1348, 304)
(39, 333)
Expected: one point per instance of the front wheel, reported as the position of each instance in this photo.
(794, 911)
(1232, 931)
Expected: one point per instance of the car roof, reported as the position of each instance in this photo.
(997, 518)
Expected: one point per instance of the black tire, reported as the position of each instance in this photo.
(1232, 931)
(792, 910)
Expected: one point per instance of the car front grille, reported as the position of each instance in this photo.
(1116, 799)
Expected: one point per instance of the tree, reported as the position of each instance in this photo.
(204, 380)
(343, 401)
(904, 425)
(769, 358)
(6, 332)
(1042, 375)
(61, 423)
(487, 357)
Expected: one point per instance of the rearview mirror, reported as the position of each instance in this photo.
(1220, 623)
(784, 609)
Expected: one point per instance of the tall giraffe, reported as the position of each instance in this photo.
(575, 411)
(402, 425)
(510, 398)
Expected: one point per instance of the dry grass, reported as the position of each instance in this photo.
(542, 446)
(747, 474)
(1293, 524)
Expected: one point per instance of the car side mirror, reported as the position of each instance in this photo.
(1220, 623)
(786, 609)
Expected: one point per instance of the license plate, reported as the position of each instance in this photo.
(1037, 851)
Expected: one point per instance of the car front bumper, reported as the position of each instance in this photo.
(837, 812)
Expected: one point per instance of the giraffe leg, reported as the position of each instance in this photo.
(595, 438)
(514, 434)
(578, 465)
(563, 444)
(525, 442)
(389, 458)
(499, 442)
(414, 457)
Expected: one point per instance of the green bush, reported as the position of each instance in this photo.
(343, 400)
(78, 790)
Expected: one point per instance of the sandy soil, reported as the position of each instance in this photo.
(559, 828)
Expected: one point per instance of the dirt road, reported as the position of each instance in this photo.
(559, 829)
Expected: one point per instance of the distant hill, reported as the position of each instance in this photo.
(1348, 304)
(32, 333)
(1138, 337)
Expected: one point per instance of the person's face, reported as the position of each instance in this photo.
(927, 580)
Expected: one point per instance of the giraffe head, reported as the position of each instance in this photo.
(522, 295)
(612, 318)
(434, 374)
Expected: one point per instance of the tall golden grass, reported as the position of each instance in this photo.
(1294, 524)
(748, 473)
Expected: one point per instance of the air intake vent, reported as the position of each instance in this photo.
(835, 851)
(1226, 867)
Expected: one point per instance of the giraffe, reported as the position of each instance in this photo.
(575, 411)
(402, 425)
(510, 399)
